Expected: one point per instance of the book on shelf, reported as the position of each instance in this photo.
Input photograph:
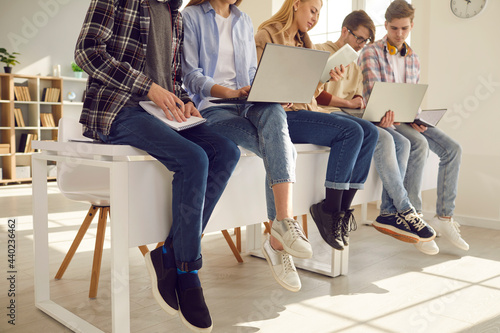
(18, 115)
(47, 120)
(25, 142)
(51, 95)
(22, 93)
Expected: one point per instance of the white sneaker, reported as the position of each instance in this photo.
(282, 267)
(449, 229)
(290, 234)
(429, 248)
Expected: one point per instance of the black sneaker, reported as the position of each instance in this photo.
(163, 281)
(329, 226)
(193, 309)
(418, 225)
(348, 225)
(396, 227)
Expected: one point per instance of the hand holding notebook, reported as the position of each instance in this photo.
(155, 110)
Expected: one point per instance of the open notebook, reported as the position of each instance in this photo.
(155, 110)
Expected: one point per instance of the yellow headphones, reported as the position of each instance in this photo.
(393, 50)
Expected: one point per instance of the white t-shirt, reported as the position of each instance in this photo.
(398, 65)
(225, 71)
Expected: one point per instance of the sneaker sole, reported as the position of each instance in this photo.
(284, 285)
(323, 234)
(290, 251)
(192, 327)
(402, 237)
(154, 286)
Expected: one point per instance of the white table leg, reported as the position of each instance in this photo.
(120, 291)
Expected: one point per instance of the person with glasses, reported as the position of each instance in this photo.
(358, 29)
(391, 59)
(351, 145)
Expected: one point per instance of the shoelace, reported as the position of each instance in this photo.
(295, 229)
(415, 221)
(456, 227)
(287, 263)
(400, 220)
(350, 224)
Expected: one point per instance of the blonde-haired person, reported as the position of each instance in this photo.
(351, 144)
(215, 65)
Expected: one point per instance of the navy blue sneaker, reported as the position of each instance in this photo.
(163, 280)
(418, 225)
(348, 225)
(193, 309)
(396, 227)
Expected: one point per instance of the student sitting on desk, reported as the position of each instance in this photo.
(124, 70)
(217, 64)
(351, 145)
(391, 154)
(391, 59)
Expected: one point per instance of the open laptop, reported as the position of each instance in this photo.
(402, 98)
(430, 118)
(285, 74)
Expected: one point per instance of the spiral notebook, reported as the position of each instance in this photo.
(155, 110)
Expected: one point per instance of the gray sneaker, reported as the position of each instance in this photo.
(290, 234)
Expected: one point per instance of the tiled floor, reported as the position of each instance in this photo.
(391, 287)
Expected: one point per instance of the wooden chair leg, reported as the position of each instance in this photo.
(268, 227)
(144, 249)
(76, 242)
(99, 244)
(230, 242)
(304, 225)
(237, 231)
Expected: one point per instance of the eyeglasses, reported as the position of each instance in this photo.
(360, 40)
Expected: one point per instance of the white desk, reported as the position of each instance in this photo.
(128, 202)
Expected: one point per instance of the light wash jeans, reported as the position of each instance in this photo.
(450, 154)
(262, 129)
(351, 142)
(202, 162)
(391, 160)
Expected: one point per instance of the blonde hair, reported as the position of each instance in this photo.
(284, 16)
(199, 2)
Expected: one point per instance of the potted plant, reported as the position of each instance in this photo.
(76, 70)
(9, 59)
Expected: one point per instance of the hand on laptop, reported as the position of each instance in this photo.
(419, 128)
(387, 120)
(242, 92)
(356, 103)
(337, 73)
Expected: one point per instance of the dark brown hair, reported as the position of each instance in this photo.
(359, 18)
(399, 9)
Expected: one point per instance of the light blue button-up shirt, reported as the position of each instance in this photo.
(201, 48)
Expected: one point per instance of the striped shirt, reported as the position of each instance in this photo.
(375, 66)
(112, 48)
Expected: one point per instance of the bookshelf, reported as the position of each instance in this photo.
(30, 109)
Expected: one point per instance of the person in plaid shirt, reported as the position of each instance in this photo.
(132, 52)
(391, 59)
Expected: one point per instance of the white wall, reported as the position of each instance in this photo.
(460, 63)
(43, 31)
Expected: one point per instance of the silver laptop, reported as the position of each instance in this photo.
(402, 98)
(285, 74)
(430, 118)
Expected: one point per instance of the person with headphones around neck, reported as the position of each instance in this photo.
(391, 59)
(132, 52)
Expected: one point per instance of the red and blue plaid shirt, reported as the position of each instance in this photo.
(376, 67)
(112, 48)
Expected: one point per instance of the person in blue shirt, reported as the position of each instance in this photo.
(220, 60)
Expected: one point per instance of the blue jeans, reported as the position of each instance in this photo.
(202, 162)
(262, 129)
(449, 152)
(351, 142)
(391, 160)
